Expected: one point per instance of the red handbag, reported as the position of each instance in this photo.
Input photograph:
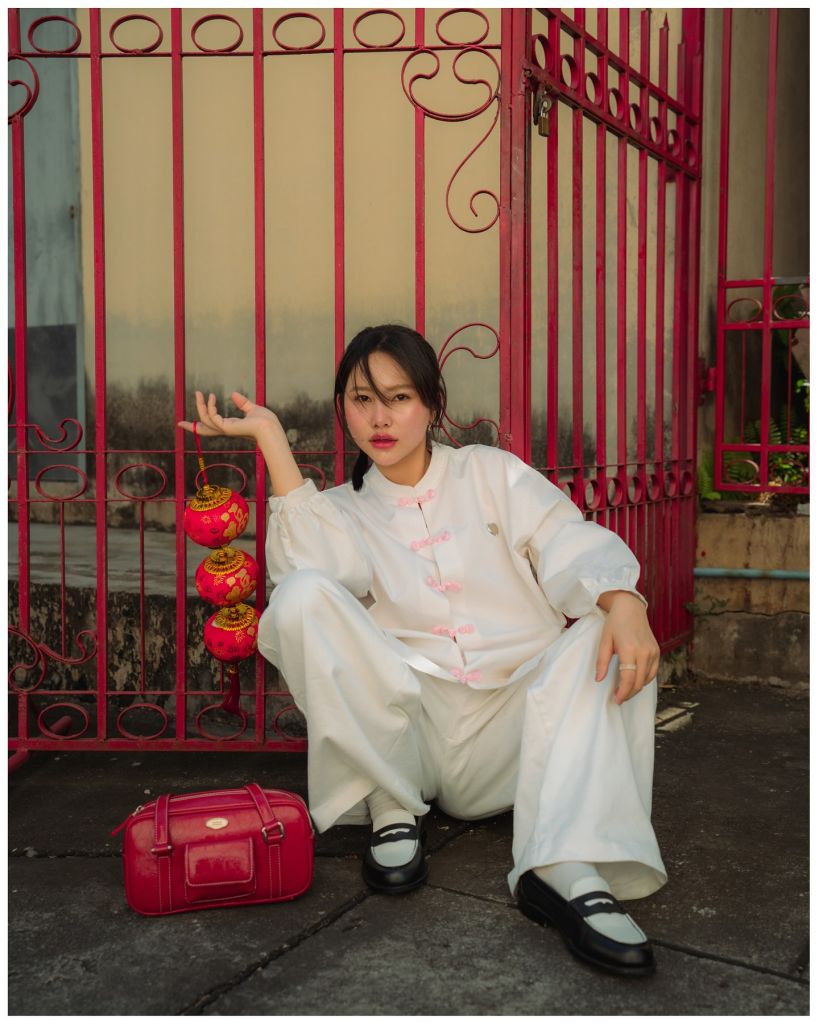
(221, 848)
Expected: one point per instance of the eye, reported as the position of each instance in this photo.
(361, 399)
(401, 397)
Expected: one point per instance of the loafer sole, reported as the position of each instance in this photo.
(397, 889)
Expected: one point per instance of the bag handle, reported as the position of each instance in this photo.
(272, 827)
(270, 823)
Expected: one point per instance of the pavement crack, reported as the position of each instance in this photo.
(702, 955)
(29, 853)
(198, 1006)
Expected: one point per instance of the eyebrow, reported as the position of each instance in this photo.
(397, 387)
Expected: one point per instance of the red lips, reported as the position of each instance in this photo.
(383, 441)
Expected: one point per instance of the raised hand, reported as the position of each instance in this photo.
(258, 423)
(256, 419)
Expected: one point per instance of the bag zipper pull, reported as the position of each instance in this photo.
(120, 827)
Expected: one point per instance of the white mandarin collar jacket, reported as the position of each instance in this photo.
(470, 573)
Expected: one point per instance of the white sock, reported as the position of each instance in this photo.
(572, 879)
(385, 810)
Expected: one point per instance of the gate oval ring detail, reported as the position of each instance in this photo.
(568, 72)
(63, 735)
(137, 49)
(277, 729)
(371, 14)
(142, 736)
(594, 89)
(140, 497)
(217, 49)
(617, 106)
(54, 17)
(616, 492)
(209, 736)
(223, 465)
(60, 497)
(593, 496)
(291, 17)
(655, 487)
(462, 42)
(546, 63)
(671, 484)
(636, 490)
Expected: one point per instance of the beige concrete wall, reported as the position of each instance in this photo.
(379, 198)
(748, 541)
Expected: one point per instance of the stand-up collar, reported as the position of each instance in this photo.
(376, 481)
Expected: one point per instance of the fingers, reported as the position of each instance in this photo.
(208, 421)
(632, 680)
(604, 654)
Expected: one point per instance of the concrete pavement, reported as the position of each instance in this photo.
(730, 929)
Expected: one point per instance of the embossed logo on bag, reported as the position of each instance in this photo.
(216, 823)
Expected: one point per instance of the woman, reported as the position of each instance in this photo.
(419, 620)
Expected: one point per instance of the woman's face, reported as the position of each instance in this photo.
(392, 433)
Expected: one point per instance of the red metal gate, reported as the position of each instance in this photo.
(96, 675)
(760, 378)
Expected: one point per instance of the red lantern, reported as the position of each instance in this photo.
(215, 516)
(231, 633)
(227, 577)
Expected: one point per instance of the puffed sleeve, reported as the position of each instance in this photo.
(307, 530)
(575, 560)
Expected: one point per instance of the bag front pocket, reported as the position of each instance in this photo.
(219, 871)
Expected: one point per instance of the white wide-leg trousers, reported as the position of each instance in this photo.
(576, 767)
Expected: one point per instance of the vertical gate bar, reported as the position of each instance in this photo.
(552, 292)
(577, 279)
(601, 450)
(100, 439)
(142, 596)
(694, 21)
(767, 247)
(504, 231)
(420, 197)
(642, 273)
(680, 344)
(622, 229)
(260, 338)
(18, 174)
(659, 556)
(600, 323)
(515, 256)
(178, 186)
(18, 177)
(722, 246)
(338, 212)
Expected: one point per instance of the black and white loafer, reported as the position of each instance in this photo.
(401, 877)
(542, 904)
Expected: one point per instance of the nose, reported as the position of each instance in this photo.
(380, 413)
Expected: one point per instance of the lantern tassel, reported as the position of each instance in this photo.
(231, 701)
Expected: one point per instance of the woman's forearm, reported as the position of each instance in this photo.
(285, 475)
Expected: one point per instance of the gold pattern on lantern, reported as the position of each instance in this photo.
(240, 616)
(210, 496)
(224, 560)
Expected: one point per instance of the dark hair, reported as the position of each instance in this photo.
(412, 352)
